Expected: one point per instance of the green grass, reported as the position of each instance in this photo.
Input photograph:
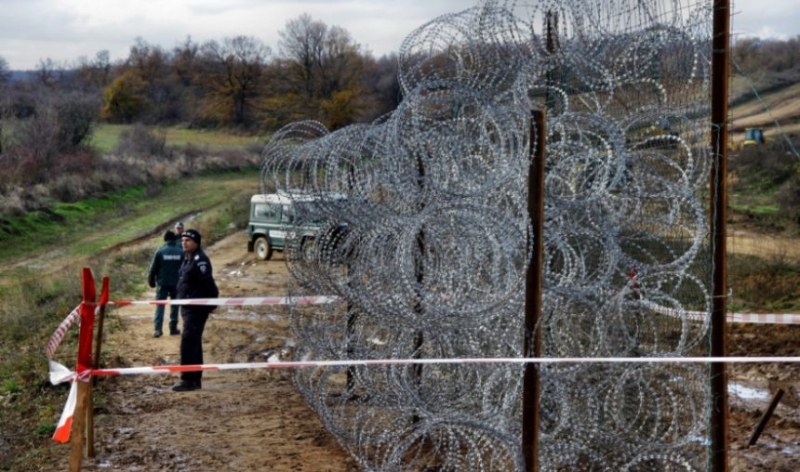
(87, 227)
(769, 284)
(767, 209)
(106, 136)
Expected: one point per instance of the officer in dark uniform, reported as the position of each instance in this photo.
(163, 276)
(196, 280)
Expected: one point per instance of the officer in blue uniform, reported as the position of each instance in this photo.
(196, 280)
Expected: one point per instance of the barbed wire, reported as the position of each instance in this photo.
(424, 232)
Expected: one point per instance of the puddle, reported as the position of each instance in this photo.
(747, 393)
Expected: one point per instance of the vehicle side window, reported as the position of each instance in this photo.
(288, 214)
(266, 212)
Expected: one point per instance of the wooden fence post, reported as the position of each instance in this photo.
(84, 365)
(96, 363)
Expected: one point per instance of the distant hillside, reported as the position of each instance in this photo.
(17, 75)
(762, 108)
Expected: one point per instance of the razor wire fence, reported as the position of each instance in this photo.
(430, 246)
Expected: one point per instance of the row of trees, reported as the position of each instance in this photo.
(318, 72)
(753, 55)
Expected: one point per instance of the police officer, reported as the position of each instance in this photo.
(196, 280)
(163, 276)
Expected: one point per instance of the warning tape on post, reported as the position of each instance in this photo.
(750, 318)
(74, 315)
(240, 301)
(60, 332)
(174, 369)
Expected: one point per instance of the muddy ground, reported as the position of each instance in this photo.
(255, 420)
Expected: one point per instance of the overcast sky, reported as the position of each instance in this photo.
(64, 30)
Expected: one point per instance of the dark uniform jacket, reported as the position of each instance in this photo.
(165, 265)
(196, 280)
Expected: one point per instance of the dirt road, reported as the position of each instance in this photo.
(255, 420)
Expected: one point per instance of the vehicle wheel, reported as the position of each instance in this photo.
(308, 248)
(263, 248)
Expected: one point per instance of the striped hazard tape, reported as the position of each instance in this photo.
(64, 426)
(240, 301)
(74, 315)
(60, 373)
(769, 318)
(60, 332)
(754, 318)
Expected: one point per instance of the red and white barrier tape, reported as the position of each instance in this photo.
(241, 301)
(74, 315)
(768, 318)
(773, 318)
(59, 373)
(754, 318)
(64, 425)
(60, 332)
(64, 374)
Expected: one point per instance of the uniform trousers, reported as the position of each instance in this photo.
(194, 322)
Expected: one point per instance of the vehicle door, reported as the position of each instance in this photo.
(266, 220)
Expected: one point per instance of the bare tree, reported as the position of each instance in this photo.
(302, 45)
(5, 72)
(325, 67)
(380, 78)
(48, 72)
(232, 73)
(185, 61)
(341, 64)
(94, 74)
(5, 75)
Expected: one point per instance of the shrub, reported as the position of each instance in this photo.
(789, 197)
(763, 167)
(141, 141)
(769, 283)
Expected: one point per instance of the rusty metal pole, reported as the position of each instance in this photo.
(533, 295)
(720, 67)
(419, 275)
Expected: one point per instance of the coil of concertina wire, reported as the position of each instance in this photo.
(424, 234)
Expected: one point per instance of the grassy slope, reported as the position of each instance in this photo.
(86, 227)
(105, 138)
(763, 110)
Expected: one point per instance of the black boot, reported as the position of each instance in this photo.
(184, 386)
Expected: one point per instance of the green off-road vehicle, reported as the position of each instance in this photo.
(284, 220)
